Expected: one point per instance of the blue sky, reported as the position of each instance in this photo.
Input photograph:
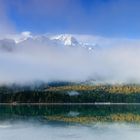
(109, 18)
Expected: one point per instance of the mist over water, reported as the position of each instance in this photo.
(22, 131)
(41, 123)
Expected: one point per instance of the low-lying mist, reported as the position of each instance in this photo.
(29, 63)
(35, 130)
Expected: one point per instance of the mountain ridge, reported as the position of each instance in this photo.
(10, 42)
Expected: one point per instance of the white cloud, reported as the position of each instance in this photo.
(117, 63)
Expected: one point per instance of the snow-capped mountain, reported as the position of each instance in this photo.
(67, 40)
(71, 41)
(10, 42)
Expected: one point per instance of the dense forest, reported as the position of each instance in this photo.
(70, 93)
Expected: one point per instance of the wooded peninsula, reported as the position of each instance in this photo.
(70, 93)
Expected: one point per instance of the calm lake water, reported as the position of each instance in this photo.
(85, 122)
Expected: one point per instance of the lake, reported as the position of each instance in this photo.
(74, 122)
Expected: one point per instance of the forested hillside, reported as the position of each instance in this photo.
(71, 93)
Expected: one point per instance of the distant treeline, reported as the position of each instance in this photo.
(61, 94)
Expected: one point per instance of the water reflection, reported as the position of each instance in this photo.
(74, 113)
(69, 122)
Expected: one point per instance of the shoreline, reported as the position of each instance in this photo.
(69, 104)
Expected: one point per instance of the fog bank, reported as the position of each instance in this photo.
(31, 61)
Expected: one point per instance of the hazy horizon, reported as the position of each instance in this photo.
(110, 27)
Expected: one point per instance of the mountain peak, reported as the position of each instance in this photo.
(66, 39)
(20, 37)
(60, 40)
